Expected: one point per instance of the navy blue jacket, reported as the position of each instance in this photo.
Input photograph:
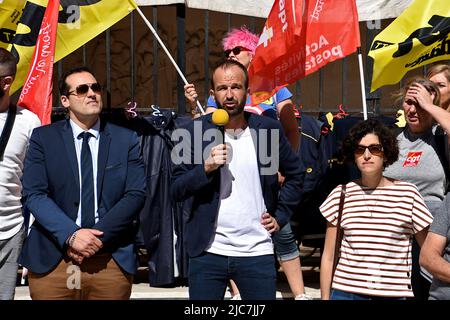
(51, 191)
(189, 179)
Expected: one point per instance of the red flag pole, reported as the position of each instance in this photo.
(36, 94)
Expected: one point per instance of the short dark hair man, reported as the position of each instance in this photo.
(238, 202)
(84, 182)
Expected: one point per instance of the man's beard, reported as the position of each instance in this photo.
(2, 93)
(236, 111)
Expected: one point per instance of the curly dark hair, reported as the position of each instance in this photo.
(386, 136)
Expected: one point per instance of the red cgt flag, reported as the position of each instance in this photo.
(36, 94)
(300, 37)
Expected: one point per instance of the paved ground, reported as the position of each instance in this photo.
(142, 290)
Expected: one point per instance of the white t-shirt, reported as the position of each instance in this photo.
(239, 232)
(11, 169)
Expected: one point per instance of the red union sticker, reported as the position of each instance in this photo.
(412, 159)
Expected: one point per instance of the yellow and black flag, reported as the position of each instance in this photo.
(10, 13)
(79, 21)
(419, 36)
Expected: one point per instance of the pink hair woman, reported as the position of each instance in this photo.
(240, 45)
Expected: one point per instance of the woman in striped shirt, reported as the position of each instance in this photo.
(380, 216)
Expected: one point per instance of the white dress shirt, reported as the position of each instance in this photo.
(93, 145)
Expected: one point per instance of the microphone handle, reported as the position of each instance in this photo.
(222, 137)
(222, 134)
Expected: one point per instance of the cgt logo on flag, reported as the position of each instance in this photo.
(412, 159)
(419, 36)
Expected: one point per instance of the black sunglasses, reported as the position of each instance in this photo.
(83, 89)
(375, 149)
(235, 50)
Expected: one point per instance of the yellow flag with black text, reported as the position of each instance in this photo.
(79, 21)
(10, 13)
(419, 36)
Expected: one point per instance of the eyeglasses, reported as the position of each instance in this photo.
(83, 89)
(374, 149)
(235, 50)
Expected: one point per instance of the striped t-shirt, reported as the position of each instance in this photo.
(378, 227)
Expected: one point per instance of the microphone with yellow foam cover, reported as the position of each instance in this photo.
(220, 118)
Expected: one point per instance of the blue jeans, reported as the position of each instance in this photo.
(285, 245)
(209, 275)
(343, 295)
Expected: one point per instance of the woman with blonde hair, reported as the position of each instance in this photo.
(440, 75)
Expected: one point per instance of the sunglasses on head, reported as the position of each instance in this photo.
(83, 89)
(235, 50)
(374, 149)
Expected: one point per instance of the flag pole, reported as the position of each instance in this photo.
(363, 85)
(168, 54)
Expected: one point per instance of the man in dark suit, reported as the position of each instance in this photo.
(84, 183)
(238, 202)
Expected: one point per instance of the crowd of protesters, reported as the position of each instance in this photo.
(83, 181)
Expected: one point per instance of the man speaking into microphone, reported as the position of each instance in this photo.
(237, 207)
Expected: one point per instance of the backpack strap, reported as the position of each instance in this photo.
(6, 133)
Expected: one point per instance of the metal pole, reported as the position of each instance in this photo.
(320, 90)
(168, 54)
(108, 68)
(375, 96)
(155, 57)
(344, 81)
(206, 56)
(298, 90)
(252, 24)
(181, 55)
(133, 60)
(84, 55)
(363, 85)
(60, 72)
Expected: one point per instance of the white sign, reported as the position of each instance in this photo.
(367, 9)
